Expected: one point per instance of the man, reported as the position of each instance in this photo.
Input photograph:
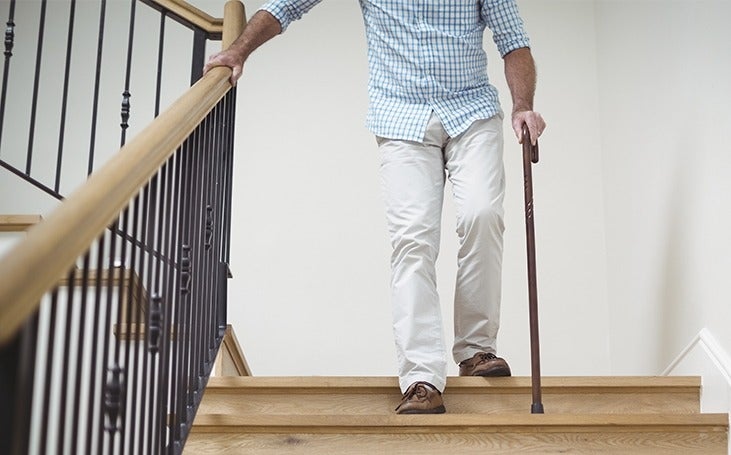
(433, 110)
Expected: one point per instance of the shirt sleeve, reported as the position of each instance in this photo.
(288, 11)
(503, 19)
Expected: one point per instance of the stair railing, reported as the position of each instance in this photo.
(58, 120)
(112, 309)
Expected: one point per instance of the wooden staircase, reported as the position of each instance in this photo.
(341, 415)
(13, 227)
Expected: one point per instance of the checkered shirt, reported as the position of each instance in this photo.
(427, 56)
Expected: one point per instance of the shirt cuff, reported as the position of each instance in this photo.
(507, 47)
(279, 11)
(288, 11)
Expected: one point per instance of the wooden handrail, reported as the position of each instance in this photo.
(188, 13)
(37, 263)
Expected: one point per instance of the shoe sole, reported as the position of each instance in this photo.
(494, 373)
(437, 410)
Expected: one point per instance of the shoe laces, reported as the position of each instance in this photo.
(480, 357)
(485, 356)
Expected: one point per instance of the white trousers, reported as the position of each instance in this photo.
(413, 178)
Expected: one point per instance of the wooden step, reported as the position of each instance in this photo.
(454, 433)
(380, 395)
(130, 291)
(18, 223)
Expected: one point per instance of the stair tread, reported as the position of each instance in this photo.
(18, 223)
(457, 422)
(377, 384)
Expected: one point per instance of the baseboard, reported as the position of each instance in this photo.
(705, 357)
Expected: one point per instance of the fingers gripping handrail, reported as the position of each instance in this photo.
(44, 256)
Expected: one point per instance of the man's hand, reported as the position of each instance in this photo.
(261, 28)
(532, 120)
(520, 72)
(228, 58)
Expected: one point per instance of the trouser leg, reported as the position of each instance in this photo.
(412, 177)
(475, 167)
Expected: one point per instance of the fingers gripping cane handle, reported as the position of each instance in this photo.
(530, 155)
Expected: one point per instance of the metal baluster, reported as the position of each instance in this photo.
(199, 55)
(34, 100)
(187, 274)
(217, 191)
(164, 337)
(155, 319)
(160, 48)
(197, 265)
(112, 374)
(138, 385)
(17, 369)
(134, 295)
(231, 102)
(181, 293)
(92, 397)
(48, 373)
(62, 128)
(213, 258)
(126, 94)
(206, 212)
(124, 298)
(76, 397)
(9, 43)
(66, 365)
(149, 223)
(168, 286)
(97, 79)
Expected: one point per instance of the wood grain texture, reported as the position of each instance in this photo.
(446, 443)
(326, 384)
(18, 223)
(234, 22)
(379, 395)
(189, 13)
(451, 423)
(354, 415)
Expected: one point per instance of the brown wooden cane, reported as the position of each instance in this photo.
(530, 155)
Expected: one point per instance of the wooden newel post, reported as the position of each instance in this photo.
(530, 155)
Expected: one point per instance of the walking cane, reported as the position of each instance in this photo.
(530, 155)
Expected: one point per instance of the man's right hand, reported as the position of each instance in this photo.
(228, 58)
(261, 28)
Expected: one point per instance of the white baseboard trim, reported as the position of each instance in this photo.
(713, 350)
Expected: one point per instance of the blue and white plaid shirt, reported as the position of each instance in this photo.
(426, 56)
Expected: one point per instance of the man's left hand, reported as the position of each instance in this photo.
(533, 120)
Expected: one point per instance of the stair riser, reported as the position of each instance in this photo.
(604, 442)
(215, 402)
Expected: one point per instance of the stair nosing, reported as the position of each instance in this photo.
(387, 384)
(468, 423)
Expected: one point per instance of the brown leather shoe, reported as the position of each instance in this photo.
(421, 398)
(484, 364)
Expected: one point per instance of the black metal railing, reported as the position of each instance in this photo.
(117, 356)
(45, 38)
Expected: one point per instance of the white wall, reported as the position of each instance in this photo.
(630, 206)
(310, 252)
(664, 78)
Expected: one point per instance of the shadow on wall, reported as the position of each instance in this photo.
(679, 315)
